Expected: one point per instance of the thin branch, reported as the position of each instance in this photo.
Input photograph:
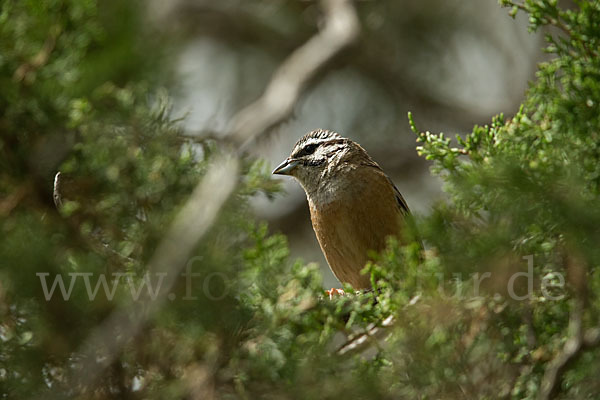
(373, 334)
(552, 376)
(192, 222)
(573, 348)
(56, 192)
(200, 211)
(579, 339)
(41, 58)
(282, 93)
(558, 23)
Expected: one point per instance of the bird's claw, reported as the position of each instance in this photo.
(334, 292)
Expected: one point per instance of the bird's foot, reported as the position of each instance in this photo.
(334, 292)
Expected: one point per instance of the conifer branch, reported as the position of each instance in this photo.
(201, 209)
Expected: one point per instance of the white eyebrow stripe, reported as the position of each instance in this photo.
(316, 137)
(311, 141)
(314, 141)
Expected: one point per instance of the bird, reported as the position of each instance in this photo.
(354, 206)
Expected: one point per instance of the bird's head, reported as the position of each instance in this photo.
(319, 157)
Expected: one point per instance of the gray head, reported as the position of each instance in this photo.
(318, 154)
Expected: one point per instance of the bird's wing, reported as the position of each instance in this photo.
(399, 199)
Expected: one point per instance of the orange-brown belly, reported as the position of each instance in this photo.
(347, 230)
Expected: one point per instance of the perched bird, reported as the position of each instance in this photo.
(353, 204)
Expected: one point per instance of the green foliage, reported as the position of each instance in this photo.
(78, 94)
(529, 186)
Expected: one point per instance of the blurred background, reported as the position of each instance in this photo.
(87, 89)
(452, 63)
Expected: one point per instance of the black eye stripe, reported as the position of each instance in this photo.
(307, 150)
(310, 148)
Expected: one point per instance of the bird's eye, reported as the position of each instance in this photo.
(308, 149)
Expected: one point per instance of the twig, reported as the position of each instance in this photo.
(41, 58)
(283, 91)
(578, 340)
(192, 222)
(201, 209)
(56, 192)
(372, 335)
(557, 22)
(570, 351)
(573, 348)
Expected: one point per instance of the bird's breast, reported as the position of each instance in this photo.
(349, 225)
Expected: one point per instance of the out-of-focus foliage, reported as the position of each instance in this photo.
(528, 186)
(78, 93)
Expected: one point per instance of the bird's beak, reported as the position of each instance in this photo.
(286, 167)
